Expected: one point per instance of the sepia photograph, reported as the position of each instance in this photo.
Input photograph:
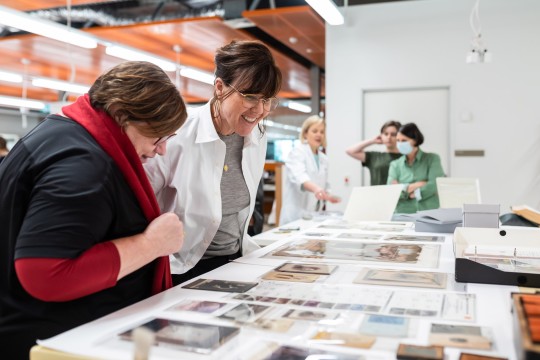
(462, 336)
(220, 285)
(298, 353)
(413, 238)
(244, 312)
(343, 339)
(358, 251)
(320, 269)
(201, 306)
(308, 315)
(187, 336)
(390, 277)
(417, 352)
(290, 276)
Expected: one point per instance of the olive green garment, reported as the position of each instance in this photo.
(378, 164)
(426, 167)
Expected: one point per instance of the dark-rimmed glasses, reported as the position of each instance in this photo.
(250, 101)
(163, 139)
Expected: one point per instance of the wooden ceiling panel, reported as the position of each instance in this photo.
(32, 92)
(29, 5)
(198, 39)
(298, 27)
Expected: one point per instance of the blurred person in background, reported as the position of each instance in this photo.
(416, 171)
(306, 183)
(378, 162)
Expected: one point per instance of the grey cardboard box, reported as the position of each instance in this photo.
(481, 215)
(438, 220)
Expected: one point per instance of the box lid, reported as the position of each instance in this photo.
(482, 208)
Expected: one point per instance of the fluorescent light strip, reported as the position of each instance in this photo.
(24, 103)
(125, 53)
(10, 77)
(282, 126)
(46, 28)
(298, 106)
(60, 85)
(197, 75)
(328, 11)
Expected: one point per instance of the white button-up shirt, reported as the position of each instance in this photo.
(301, 166)
(187, 182)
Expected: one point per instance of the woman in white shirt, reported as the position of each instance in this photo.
(306, 173)
(213, 166)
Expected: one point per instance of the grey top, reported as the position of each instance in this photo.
(234, 199)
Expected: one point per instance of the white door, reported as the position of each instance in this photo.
(426, 107)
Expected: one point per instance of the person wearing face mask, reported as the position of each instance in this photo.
(378, 162)
(416, 171)
(210, 175)
(306, 184)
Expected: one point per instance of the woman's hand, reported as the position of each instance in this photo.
(322, 194)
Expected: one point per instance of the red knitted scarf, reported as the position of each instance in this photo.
(114, 142)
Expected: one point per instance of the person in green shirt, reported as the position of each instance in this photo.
(377, 161)
(416, 170)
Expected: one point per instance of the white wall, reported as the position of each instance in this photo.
(424, 43)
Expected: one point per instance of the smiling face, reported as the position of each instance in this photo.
(314, 135)
(145, 146)
(234, 116)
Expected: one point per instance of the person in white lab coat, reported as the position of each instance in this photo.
(306, 187)
(214, 165)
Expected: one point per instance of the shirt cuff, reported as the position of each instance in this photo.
(405, 186)
(418, 194)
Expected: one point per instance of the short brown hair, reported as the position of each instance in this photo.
(389, 123)
(249, 66)
(3, 143)
(140, 92)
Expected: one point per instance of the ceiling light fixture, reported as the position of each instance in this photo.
(328, 11)
(60, 85)
(49, 29)
(478, 53)
(198, 75)
(282, 126)
(126, 53)
(298, 106)
(24, 103)
(10, 77)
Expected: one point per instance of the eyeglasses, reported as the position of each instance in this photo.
(163, 139)
(250, 101)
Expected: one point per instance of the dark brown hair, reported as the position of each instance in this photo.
(412, 131)
(249, 66)
(389, 123)
(3, 143)
(141, 93)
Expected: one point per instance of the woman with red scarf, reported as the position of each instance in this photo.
(81, 231)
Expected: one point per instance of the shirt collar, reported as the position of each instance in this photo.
(418, 157)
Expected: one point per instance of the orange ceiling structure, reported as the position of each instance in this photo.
(197, 38)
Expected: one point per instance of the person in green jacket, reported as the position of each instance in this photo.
(416, 171)
(378, 161)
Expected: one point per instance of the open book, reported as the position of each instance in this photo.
(527, 212)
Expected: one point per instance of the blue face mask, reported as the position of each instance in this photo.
(404, 147)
